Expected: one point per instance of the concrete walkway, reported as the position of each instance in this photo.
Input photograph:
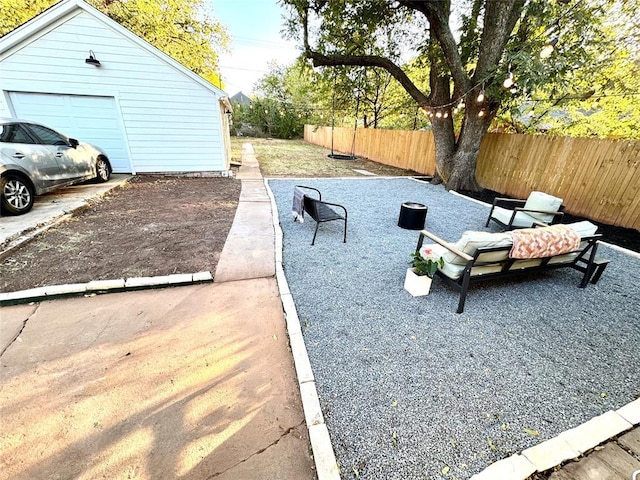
(196, 382)
(249, 249)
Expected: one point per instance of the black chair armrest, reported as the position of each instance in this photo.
(503, 200)
(548, 212)
(311, 188)
(507, 200)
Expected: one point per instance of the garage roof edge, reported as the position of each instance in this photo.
(65, 7)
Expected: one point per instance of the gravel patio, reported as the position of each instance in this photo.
(409, 388)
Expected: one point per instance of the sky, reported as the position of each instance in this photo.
(254, 27)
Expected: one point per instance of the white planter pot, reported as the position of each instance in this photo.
(417, 285)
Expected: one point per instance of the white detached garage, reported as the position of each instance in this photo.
(148, 112)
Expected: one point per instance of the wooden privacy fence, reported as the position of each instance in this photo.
(410, 149)
(597, 179)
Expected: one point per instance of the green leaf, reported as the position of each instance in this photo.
(533, 433)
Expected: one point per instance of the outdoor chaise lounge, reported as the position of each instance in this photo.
(317, 209)
(539, 208)
(478, 256)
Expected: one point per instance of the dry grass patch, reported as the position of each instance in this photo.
(296, 158)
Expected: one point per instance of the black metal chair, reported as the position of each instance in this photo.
(322, 211)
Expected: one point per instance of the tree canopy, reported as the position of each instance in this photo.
(476, 59)
(183, 29)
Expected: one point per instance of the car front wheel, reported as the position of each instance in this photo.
(16, 195)
(103, 170)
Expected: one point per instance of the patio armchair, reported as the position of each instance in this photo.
(319, 210)
(539, 209)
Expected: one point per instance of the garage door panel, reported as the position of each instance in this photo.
(90, 119)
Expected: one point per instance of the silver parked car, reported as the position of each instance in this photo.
(35, 159)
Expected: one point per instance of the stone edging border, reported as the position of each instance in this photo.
(566, 446)
(103, 286)
(323, 454)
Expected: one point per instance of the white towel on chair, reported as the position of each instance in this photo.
(298, 205)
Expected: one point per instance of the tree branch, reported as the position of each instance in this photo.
(437, 14)
(499, 22)
(320, 60)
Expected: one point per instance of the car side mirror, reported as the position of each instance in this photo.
(73, 142)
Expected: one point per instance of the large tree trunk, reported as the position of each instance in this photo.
(456, 159)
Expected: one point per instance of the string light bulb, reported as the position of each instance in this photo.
(508, 82)
(445, 114)
(547, 50)
(480, 98)
(439, 114)
(481, 113)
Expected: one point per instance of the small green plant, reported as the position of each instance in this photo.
(425, 262)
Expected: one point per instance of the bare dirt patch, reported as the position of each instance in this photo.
(153, 225)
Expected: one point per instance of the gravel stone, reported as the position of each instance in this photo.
(410, 389)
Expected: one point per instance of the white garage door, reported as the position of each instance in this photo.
(86, 118)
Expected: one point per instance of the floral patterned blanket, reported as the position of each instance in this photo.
(544, 242)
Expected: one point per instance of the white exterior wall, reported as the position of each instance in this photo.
(171, 122)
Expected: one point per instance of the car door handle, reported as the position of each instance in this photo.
(18, 155)
(59, 155)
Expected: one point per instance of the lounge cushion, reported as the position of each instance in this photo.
(470, 241)
(542, 201)
(584, 228)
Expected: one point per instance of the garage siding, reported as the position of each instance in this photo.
(172, 123)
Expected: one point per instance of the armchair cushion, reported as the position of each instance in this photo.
(542, 201)
(521, 220)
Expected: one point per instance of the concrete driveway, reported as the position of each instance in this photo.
(194, 382)
(51, 207)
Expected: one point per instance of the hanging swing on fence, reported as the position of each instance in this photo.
(341, 156)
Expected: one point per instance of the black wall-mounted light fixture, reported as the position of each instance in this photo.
(92, 60)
